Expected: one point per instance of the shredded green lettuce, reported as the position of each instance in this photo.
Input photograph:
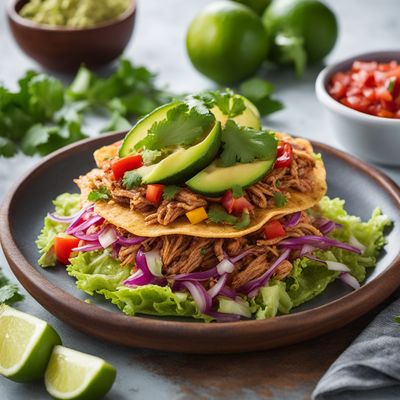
(65, 204)
(271, 300)
(153, 300)
(97, 270)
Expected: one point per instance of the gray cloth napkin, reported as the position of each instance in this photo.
(370, 367)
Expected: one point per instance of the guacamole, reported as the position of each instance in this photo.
(73, 13)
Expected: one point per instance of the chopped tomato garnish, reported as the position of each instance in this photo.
(154, 192)
(63, 245)
(274, 229)
(369, 87)
(235, 206)
(122, 165)
(284, 155)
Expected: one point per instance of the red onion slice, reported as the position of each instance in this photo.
(228, 292)
(199, 294)
(197, 276)
(88, 247)
(316, 241)
(107, 237)
(292, 220)
(216, 289)
(225, 266)
(223, 317)
(251, 286)
(81, 227)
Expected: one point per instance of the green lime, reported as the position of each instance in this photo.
(256, 5)
(72, 375)
(309, 21)
(26, 343)
(227, 42)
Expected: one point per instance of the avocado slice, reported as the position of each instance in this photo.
(139, 131)
(184, 163)
(213, 181)
(249, 117)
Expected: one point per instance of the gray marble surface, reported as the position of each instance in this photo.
(158, 43)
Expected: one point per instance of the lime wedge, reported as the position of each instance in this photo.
(78, 376)
(26, 343)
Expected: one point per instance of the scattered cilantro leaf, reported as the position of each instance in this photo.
(397, 319)
(290, 50)
(280, 199)
(278, 183)
(9, 292)
(7, 147)
(183, 125)
(259, 91)
(237, 191)
(170, 191)
(102, 193)
(229, 103)
(256, 89)
(244, 145)
(131, 180)
(218, 215)
(43, 115)
(243, 221)
(117, 123)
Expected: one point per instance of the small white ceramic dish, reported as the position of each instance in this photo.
(372, 138)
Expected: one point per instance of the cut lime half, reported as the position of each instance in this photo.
(26, 343)
(74, 375)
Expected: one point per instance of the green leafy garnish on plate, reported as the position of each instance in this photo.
(184, 126)
(9, 292)
(102, 193)
(170, 191)
(244, 145)
(280, 199)
(131, 180)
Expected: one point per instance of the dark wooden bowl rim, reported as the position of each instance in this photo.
(18, 19)
(188, 336)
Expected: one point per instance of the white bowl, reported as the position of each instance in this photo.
(373, 138)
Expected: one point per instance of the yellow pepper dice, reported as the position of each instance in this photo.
(197, 215)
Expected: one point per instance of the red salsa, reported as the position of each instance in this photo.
(369, 87)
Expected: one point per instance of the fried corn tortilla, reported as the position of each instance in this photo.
(134, 222)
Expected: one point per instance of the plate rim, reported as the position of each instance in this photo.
(186, 336)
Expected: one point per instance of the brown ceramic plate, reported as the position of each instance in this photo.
(22, 214)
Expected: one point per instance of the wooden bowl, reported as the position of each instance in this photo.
(65, 49)
(21, 219)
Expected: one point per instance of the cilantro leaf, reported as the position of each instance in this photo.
(131, 179)
(117, 123)
(8, 291)
(290, 50)
(237, 191)
(280, 199)
(7, 147)
(259, 91)
(102, 193)
(244, 145)
(170, 191)
(218, 215)
(243, 222)
(230, 104)
(183, 125)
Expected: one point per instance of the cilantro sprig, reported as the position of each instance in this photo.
(229, 103)
(43, 115)
(244, 145)
(9, 292)
(218, 215)
(102, 193)
(184, 125)
(131, 180)
(170, 191)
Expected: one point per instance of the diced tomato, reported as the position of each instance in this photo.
(236, 206)
(284, 155)
(154, 192)
(122, 165)
(369, 87)
(63, 245)
(274, 229)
